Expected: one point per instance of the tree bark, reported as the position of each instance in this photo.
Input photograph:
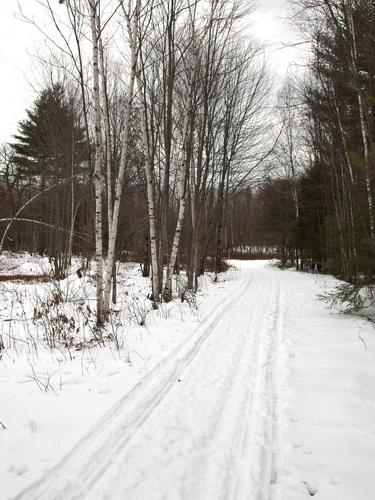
(98, 180)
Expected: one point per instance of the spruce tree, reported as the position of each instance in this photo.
(50, 138)
(50, 150)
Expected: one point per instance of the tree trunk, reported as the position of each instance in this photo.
(121, 173)
(98, 180)
(167, 294)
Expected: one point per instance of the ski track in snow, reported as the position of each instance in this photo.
(202, 425)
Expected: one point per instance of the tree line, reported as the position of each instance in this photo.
(319, 209)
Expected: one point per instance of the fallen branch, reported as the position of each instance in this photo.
(21, 219)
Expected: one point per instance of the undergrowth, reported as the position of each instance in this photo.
(355, 300)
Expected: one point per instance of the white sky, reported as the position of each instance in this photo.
(18, 41)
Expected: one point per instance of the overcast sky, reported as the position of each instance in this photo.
(18, 41)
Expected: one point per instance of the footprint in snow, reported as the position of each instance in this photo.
(311, 487)
(306, 450)
(18, 470)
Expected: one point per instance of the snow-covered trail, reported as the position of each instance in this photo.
(200, 425)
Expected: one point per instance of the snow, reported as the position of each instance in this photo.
(22, 263)
(330, 418)
(260, 392)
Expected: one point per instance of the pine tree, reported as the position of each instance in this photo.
(50, 151)
(50, 138)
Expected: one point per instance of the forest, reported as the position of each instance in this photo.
(156, 137)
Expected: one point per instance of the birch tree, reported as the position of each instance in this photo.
(114, 215)
(136, 39)
(192, 65)
(98, 178)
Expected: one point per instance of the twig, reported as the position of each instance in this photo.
(363, 340)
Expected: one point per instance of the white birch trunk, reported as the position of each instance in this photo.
(342, 133)
(167, 293)
(367, 162)
(98, 167)
(73, 213)
(107, 129)
(134, 41)
(150, 195)
(147, 162)
(349, 167)
(194, 218)
(120, 177)
(363, 121)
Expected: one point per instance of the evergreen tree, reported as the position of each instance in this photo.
(50, 138)
(50, 151)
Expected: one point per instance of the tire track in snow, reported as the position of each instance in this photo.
(87, 462)
(202, 434)
(259, 445)
(210, 469)
(278, 381)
